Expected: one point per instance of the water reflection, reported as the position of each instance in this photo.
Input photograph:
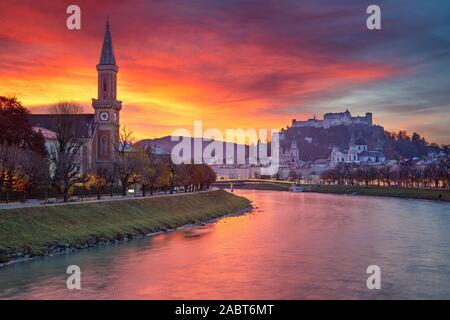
(294, 246)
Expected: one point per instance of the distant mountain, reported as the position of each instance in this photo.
(165, 144)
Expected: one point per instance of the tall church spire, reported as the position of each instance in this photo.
(107, 56)
(107, 107)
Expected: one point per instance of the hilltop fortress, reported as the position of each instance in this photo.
(334, 119)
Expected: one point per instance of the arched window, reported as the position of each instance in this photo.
(104, 146)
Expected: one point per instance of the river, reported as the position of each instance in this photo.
(292, 246)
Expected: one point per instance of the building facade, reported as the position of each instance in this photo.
(357, 153)
(236, 171)
(290, 155)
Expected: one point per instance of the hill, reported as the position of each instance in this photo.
(317, 143)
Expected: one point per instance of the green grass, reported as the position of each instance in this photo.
(411, 193)
(33, 230)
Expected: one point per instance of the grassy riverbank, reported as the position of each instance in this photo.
(409, 193)
(42, 230)
(255, 185)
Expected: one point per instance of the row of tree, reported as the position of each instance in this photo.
(23, 157)
(27, 165)
(149, 172)
(406, 174)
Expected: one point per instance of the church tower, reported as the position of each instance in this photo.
(107, 107)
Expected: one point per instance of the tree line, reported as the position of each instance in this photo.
(406, 174)
(401, 145)
(152, 172)
(28, 165)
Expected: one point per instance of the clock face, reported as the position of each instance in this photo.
(104, 116)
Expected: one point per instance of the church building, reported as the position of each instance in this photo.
(98, 132)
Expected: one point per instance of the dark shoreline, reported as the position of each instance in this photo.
(67, 249)
(394, 192)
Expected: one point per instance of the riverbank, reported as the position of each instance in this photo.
(31, 232)
(398, 192)
(255, 185)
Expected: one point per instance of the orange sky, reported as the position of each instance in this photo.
(229, 67)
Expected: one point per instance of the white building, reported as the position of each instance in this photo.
(372, 157)
(236, 172)
(357, 153)
(334, 119)
(291, 155)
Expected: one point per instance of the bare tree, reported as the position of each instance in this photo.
(385, 174)
(128, 161)
(126, 140)
(36, 172)
(416, 175)
(443, 171)
(66, 154)
(147, 172)
(65, 108)
(406, 173)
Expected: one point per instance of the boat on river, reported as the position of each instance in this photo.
(299, 189)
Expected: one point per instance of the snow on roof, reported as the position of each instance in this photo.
(48, 134)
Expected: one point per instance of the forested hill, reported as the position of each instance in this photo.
(317, 143)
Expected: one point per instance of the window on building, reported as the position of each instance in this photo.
(104, 146)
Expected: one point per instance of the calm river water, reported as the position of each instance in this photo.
(292, 246)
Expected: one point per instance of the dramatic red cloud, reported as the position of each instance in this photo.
(178, 63)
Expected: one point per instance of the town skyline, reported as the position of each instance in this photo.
(229, 76)
(219, 156)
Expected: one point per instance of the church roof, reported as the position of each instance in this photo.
(360, 142)
(84, 124)
(107, 56)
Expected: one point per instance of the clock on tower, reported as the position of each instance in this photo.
(106, 106)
